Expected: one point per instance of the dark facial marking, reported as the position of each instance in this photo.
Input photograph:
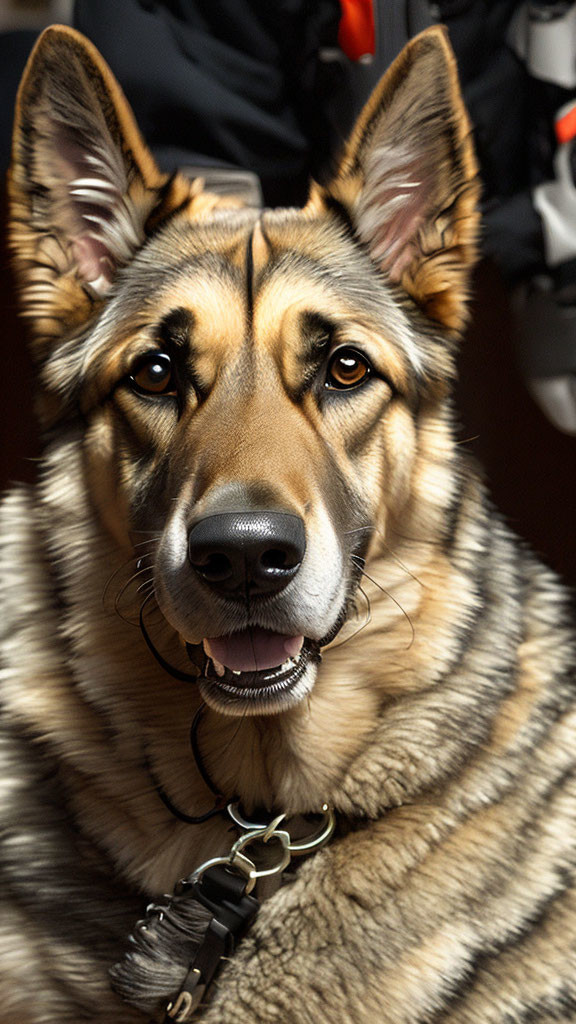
(176, 327)
(317, 334)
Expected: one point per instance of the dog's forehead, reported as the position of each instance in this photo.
(253, 279)
(265, 265)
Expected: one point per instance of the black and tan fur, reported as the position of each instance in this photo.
(442, 731)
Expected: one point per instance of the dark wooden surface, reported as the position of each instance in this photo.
(530, 466)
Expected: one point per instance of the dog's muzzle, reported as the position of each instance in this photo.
(249, 556)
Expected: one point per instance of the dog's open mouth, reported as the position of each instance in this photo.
(257, 670)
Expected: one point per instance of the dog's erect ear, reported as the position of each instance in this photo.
(82, 183)
(408, 179)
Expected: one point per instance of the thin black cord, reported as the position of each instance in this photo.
(219, 806)
(221, 801)
(176, 673)
(194, 743)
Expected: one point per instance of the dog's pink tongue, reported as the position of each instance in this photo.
(254, 649)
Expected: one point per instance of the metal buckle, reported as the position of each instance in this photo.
(186, 1003)
(237, 860)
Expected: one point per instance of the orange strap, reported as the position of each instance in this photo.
(356, 35)
(566, 125)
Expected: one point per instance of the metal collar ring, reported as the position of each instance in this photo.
(297, 847)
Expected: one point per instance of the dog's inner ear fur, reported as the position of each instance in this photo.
(82, 181)
(92, 209)
(409, 180)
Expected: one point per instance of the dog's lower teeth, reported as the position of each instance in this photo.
(270, 675)
(221, 670)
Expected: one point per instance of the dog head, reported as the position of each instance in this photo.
(249, 385)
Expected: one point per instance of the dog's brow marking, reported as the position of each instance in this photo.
(175, 326)
(249, 287)
(256, 254)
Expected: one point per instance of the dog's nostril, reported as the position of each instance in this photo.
(214, 567)
(277, 559)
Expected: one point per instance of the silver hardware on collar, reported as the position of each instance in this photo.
(298, 847)
(185, 1005)
(264, 833)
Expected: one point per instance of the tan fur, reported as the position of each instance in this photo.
(441, 723)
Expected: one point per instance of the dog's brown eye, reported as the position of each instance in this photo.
(347, 369)
(153, 374)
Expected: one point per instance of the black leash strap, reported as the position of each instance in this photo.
(223, 893)
(178, 947)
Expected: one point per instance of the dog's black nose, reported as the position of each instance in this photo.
(247, 552)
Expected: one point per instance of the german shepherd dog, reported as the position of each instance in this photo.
(249, 449)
